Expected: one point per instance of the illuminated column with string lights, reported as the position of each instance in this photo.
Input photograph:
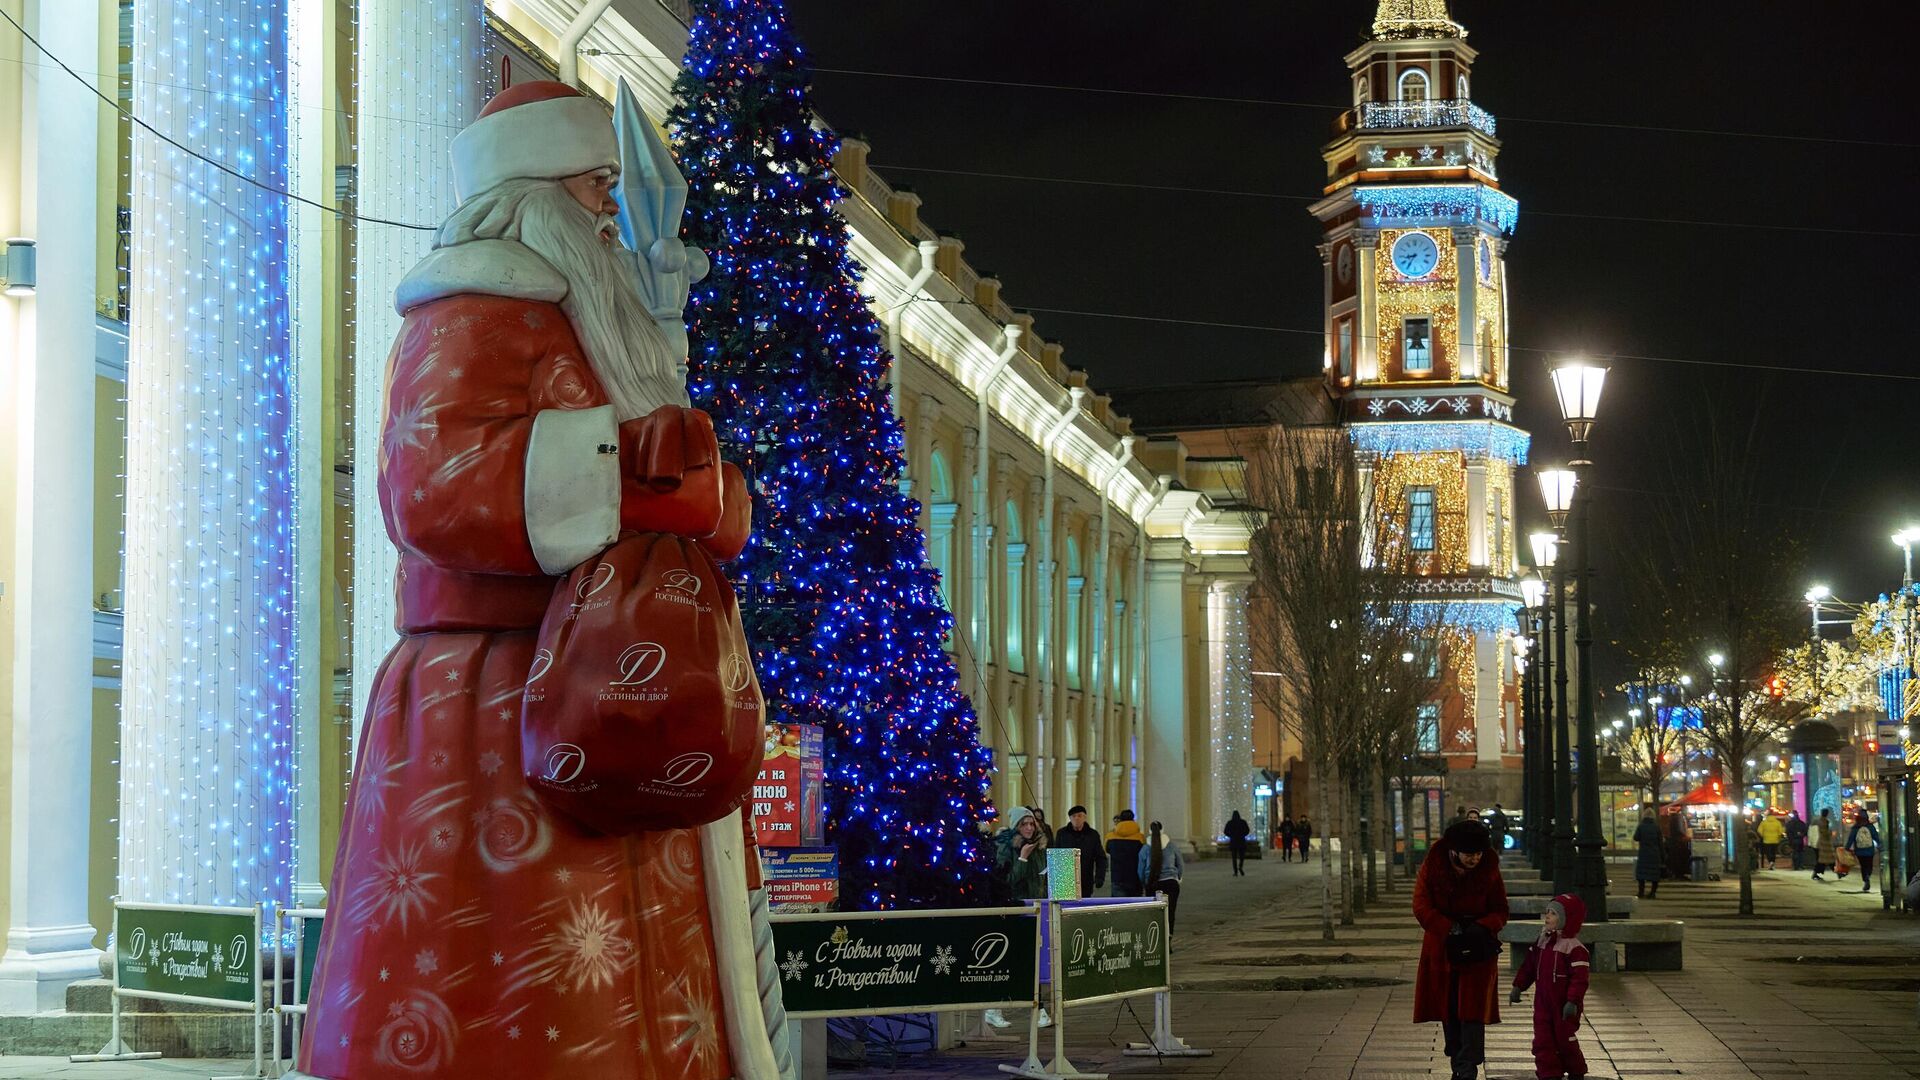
(423, 76)
(47, 406)
(1165, 793)
(1230, 663)
(207, 718)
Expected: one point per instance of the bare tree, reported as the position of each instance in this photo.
(1719, 564)
(1333, 614)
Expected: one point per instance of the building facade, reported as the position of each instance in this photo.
(195, 536)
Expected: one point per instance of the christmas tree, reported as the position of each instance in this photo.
(844, 614)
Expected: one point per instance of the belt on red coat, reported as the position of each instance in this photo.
(435, 599)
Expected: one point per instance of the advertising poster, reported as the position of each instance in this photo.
(878, 962)
(787, 795)
(801, 879)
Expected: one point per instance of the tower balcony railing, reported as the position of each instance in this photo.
(1443, 112)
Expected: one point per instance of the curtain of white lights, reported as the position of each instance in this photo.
(206, 755)
(423, 76)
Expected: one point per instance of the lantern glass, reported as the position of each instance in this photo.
(1578, 384)
(1556, 487)
(1545, 547)
(1533, 591)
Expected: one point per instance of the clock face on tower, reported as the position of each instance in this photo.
(1415, 254)
(1486, 262)
(1343, 263)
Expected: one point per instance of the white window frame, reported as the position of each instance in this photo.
(1426, 85)
(1433, 523)
(1406, 348)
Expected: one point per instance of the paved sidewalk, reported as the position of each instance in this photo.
(1821, 981)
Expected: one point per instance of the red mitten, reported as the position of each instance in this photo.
(671, 465)
(736, 515)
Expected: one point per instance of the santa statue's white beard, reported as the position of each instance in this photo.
(626, 349)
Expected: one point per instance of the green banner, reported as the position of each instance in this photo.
(309, 954)
(904, 961)
(1110, 951)
(201, 954)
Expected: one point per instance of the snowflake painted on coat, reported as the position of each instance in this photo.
(942, 962)
(412, 426)
(425, 962)
(398, 889)
(490, 762)
(588, 947)
(795, 965)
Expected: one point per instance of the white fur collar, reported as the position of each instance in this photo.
(488, 267)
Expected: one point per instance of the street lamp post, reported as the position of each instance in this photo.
(1557, 487)
(1578, 384)
(1533, 772)
(1546, 549)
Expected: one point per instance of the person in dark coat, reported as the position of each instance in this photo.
(1085, 839)
(1124, 842)
(1646, 865)
(1797, 839)
(1236, 831)
(1286, 839)
(1497, 824)
(1459, 890)
(1679, 847)
(1303, 832)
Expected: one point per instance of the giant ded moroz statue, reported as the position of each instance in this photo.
(525, 887)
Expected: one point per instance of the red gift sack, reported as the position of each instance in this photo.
(642, 710)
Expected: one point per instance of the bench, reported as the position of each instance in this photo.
(1530, 907)
(1529, 888)
(1651, 944)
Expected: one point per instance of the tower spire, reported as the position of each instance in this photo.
(1400, 19)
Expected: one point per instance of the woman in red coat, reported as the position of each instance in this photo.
(1459, 891)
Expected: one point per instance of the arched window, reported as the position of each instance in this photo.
(942, 512)
(1361, 89)
(1076, 601)
(1414, 87)
(1460, 88)
(1016, 583)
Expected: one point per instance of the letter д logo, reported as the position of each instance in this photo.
(542, 663)
(685, 581)
(687, 769)
(989, 950)
(736, 673)
(601, 577)
(640, 663)
(564, 763)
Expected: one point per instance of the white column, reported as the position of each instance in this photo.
(1467, 261)
(423, 76)
(1363, 469)
(1167, 790)
(1366, 244)
(1487, 716)
(49, 346)
(1477, 514)
(207, 727)
(1230, 685)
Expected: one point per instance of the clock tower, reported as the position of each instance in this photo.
(1414, 248)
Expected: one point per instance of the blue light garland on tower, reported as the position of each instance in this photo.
(1418, 437)
(1464, 204)
(845, 616)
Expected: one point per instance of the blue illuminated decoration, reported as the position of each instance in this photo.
(1462, 204)
(1437, 112)
(1478, 616)
(1469, 437)
(844, 614)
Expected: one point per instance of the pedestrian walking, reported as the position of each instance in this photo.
(1679, 847)
(1796, 838)
(1557, 967)
(1497, 825)
(1646, 864)
(1303, 834)
(1085, 839)
(1864, 841)
(1124, 842)
(1824, 854)
(1460, 902)
(1772, 832)
(1236, 831)
(1286, 839)
(1046, 830)
(1161, 869)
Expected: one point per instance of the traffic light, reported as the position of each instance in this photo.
(1873, 746)
(1777, 688)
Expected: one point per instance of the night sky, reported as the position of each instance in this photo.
(1791, 127)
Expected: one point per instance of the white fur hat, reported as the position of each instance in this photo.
(535, 130)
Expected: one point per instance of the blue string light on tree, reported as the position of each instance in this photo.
(845, 617)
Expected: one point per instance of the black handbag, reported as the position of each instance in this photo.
(1470, 943)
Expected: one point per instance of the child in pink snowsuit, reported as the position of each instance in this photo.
(1556, 967)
